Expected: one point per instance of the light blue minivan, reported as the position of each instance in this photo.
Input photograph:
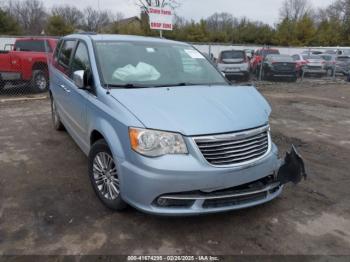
(163, 129)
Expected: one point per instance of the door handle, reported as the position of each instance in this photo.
(65, 88)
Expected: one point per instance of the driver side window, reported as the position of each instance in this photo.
(81, 59)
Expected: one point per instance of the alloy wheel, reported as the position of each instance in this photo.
(106, 176)
(41, 82)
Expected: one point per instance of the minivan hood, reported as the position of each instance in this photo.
(196, 110)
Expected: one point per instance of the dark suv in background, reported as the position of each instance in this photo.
(279, 66)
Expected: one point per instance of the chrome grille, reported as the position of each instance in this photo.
(236, 148)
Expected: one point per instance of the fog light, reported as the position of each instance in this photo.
(164, 202)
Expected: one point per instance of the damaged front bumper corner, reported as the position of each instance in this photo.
(292, 169)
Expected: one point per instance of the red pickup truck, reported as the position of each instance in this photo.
(27, 63)
(259, 56)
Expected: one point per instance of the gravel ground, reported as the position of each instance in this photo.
(47, 205)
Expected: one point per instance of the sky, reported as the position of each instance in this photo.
(263, 10)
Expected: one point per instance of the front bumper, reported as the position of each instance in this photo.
(144, 182)
(277, 73)
(236, 73)
(315, 71)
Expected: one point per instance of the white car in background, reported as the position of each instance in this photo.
(310, 64)
(234, 64)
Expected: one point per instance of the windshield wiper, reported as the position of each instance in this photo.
(128, 85)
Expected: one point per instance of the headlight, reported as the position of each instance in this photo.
(156, 143)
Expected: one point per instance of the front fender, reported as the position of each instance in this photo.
(111, 136)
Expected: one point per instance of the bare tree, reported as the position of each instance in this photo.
(295, 9)
(97, 20)
(221, 22)
(144, 4)
(339, 9)
(30, 14)
(70, 14)
(118, 16)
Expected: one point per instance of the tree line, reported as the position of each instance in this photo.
(300, 24)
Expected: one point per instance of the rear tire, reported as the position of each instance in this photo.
(263, 75)
(104, 176)
(329, 72)
(2, 85)
(40, 81)
(57, 124)
(294, 79)
(246, 77)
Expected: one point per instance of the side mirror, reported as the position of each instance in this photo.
(80, 79)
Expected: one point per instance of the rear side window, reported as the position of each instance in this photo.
(57, 50)
(233, 55)
(32, 46)
(312, 57)
(66, 53)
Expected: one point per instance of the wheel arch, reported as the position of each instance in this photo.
(112, 139)
(40, 66)
(95, 136)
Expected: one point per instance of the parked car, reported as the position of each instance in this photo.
(258, 57)
(330, 61)
(161, 136)
(312, 52)
(300, 62)
(27, 63)
(310, 64)
(279, 66)
(343, 65)
(249, 53)
(338, 52)
(234, 64)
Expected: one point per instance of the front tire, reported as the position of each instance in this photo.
(104, 176)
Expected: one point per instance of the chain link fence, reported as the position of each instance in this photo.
(316, 64)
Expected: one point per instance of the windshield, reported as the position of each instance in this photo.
(326, 57)
(266, 52)
(312, 57)
(233, 55)
(280, 58)
(149, 64)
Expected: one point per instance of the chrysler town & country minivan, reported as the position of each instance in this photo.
(163, 130)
